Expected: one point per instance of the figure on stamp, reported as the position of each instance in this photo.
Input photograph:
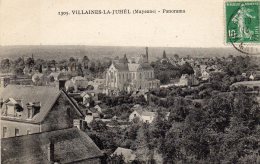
(239, 19)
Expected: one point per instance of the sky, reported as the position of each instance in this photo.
(36, 22)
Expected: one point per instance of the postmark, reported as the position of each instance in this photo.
(242, 25)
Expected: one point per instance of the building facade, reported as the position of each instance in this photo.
(130, 75)
(33, 109)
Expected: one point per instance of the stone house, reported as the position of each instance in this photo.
(143, 116)
(33, 109)
(187, 80)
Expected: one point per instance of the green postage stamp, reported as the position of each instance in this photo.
(242, 21)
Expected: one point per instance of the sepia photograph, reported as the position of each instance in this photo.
(120, 82)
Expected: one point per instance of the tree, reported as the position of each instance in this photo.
(30, 62)
(176, 56)
(116, 159)
(98, 125)
(164, 54)
(5, 64)
(171, 148)
(79, 70)
(85, 62)
(180, 109)
(143, 148)
(163, 77)
(195, 136)
(219, 111)
(52, 79)
(158, 128)
(187, 69)
(40, 69)
(92, 67)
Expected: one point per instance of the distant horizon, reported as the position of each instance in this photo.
(58, 52)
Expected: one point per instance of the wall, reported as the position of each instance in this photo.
(60, 117)
(23, 127)
(131, 117)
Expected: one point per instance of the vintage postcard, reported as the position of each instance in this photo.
(130, 82)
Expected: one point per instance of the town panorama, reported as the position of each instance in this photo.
(130, 108)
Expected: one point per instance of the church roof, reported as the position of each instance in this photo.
(121, 66)
(146, 66)
(132, 67)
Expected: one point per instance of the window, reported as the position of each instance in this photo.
(30, 112)
(28, 132)
(134, 115)
(4, 132)
(16, 132)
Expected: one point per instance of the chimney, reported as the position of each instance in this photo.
(33, 109)
(50, 152)
(146, 50)
(80, 124)
(1, 102)
(61, 84)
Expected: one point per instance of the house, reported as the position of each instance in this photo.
(204, 75)
(92, 114)
(33, 109)
(182, 61)
(187, 80)
(89, 95)
(79, 82)
(86, 98)
(144, 93)
(127, 154)
(4, 81)
(99, 83)
(69, 145)
(37, 77)
(76, 83)
(255, 75)
(143, 116)
(54, 75)
(244, 74)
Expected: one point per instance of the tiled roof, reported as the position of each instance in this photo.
(70, 145)
(46, 95)
(133, 67)
(146, 66)
(121, 66)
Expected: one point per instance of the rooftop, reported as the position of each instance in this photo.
(128, 154)
(26, 94)
(70, 145)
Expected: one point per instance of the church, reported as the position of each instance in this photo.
(133, 74)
